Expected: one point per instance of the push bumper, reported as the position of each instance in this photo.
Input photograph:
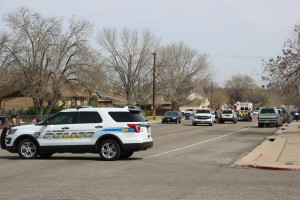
(202, 121)
(3, 137)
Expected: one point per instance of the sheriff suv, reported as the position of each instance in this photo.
(203, 116)
(112, 132)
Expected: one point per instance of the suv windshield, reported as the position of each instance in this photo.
(203, 111)
(267, 111)
(171, 114)
(127, 116)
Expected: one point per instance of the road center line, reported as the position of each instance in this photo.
(206, 141)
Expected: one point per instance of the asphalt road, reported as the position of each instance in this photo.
(186, 162)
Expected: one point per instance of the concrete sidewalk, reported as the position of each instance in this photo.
(278, 152)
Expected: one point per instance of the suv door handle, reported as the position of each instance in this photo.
(98, 126)
(65, 128)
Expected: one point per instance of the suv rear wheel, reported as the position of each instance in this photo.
(27, 149)
(109, 150)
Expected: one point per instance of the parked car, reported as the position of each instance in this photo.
(203, 116)
(172, 116)
(191, 111)
(228, 115)
(269, 115)
(282, 115)
(296, 115)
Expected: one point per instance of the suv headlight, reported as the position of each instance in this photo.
(12, 131)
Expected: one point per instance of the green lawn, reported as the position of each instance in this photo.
(151, 117)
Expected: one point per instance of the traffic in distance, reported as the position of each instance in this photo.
(242, 111)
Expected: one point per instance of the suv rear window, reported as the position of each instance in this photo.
(227, 112)
(267, 111)
(127, 116)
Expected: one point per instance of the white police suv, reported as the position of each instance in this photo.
(112, 132)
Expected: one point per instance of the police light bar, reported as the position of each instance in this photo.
(78, 107)
(133, 108)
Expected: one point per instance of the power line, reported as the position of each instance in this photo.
(236, 56)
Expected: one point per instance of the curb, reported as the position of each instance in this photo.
(273, 168)
(262, 156)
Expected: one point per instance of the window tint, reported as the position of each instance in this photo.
(88, 117)
(171, 114)
(227, 112)
(267, 111)
(127, 116)
(203, 111)
(62, 118)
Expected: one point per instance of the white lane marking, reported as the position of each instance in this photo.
(216, 138)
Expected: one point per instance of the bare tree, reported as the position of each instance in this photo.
(9, 75)
(71, 55)
(183, 70)
(46, 57)
(239, 88)
(283, 72)
(128, 57)
(219, 97)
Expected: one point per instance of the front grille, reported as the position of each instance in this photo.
(203, 117)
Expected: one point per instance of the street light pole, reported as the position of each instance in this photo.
(154, 86)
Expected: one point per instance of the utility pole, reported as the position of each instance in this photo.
(154, 86)
(211, 85)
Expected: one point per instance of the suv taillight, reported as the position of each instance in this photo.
(136, 127)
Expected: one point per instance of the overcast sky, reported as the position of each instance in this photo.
(236, 34)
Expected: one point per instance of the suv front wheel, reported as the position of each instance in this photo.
(109, 150)
(27, 149)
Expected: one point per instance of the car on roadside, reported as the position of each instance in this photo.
(172, 116)
(228, 115)
(255, 112)
(269, 116)
(190, 111)
(282, 115)
(112, 132)
(203, 116)
(296, 116)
